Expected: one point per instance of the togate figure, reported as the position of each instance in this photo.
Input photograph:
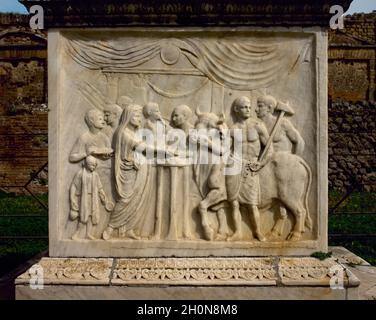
(132, 176)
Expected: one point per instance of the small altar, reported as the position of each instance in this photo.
(245, 84)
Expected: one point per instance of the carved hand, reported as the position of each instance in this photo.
(109, 206)
(194, 137)
(92, 150)
(254, 166)
(73, 215)
(170, 153)
(104, 153)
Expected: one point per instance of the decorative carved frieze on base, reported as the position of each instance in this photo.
(78, 271)
(196, 271)
(302, 271)
(311, 271)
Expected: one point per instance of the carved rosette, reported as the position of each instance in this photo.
(191, 271)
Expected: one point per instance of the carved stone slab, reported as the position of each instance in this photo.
(75, 271)
(297, 271)
(261, 89)
(195, 271)
(269, 272)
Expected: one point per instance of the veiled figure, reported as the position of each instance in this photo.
(132, 177)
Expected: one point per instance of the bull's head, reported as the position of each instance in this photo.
(209, 120)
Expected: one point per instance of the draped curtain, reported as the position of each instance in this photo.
(239, 64)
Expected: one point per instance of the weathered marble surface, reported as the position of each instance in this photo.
(361, 269)
(193, 271)
(173, 209)
(187, 278)
(184, 293)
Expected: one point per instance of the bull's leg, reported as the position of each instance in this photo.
(255, 217)
(235, 208)
(299, 213)
(280, 223)
(223, 228)
(214, 196)
(208, 231)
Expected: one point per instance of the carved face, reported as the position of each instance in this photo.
(262, 109)
(91, 164)
(154, 113)
(110, 117)
(136, 119)
(178, 118)
(244, 110)
(98, 121)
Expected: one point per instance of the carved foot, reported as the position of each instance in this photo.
(209, 233)
(106, 235)
(131, 235)
(91, 237)
(188, 236)
(221, 237)
(274, 235)
(75, 237)
(260, 237)
(294, 236)
(237, 236)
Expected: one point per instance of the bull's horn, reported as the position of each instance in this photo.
(222, 117)
(198, 112)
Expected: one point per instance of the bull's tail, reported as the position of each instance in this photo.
(308, 220)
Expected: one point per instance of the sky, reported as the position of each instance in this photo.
(357, 6)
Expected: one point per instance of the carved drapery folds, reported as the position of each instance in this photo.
(254, 64)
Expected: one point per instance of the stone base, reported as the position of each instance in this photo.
(66, 292)
(279, 278)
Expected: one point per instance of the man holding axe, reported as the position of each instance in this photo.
(283, 137)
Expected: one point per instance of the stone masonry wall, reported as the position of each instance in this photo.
(352, 145)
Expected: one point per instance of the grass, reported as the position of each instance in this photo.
(339, 223)
(14, 252)
(352, 224)
(356, 202)
(11, 204)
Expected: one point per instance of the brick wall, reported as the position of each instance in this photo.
(362, 25)
(352, 54)
(23, 99)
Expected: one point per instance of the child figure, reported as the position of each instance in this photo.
(85, 192)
